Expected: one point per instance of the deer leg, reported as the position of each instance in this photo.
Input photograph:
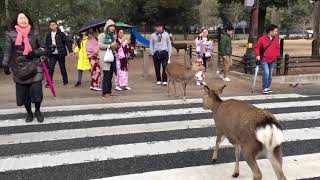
(219, 140)
(169, 81)
(184, 91)
(175, 90)
(275, 159)
(237, 151)
(250, 157)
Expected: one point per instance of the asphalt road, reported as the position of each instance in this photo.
(169, 140)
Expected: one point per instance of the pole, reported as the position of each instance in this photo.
(6, 4)
(249, 57)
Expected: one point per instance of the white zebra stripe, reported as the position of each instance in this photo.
(146, 103)
(129, 150)
(294, 167)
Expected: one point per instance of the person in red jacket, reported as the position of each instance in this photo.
(267, 50)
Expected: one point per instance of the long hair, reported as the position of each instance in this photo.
(15, 20)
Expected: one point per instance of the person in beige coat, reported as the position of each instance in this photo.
(106, 40)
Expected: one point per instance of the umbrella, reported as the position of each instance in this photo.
(255, 77)
(123, 25)
(93, 23)
(46, 72)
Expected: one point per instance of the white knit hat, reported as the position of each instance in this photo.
(109, 23)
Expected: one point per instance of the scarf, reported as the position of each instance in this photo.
(23, 37)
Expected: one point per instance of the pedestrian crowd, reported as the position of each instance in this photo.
(106, 54)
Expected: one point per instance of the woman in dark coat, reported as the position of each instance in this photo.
(23, 49)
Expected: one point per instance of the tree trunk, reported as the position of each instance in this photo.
(275, 16)
(6, 6)
(262, 20)
(316, 24)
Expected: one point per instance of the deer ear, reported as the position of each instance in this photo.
(222, 88)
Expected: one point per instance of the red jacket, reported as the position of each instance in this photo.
(272, 52)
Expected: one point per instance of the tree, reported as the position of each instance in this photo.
(316, 28)
(209, 13)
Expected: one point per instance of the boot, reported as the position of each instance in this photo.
(29, 117)
(39, 116)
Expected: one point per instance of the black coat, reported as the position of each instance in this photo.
(62, 42)
(14, 54)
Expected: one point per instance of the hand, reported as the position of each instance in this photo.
(31, 55)
(258, 58)
(6, 70)
(114, 44)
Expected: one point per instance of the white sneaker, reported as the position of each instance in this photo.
(127, 88)
(198, 83)
(159, 83)
(91, 88)
(269, 90)
(265, 91)
(118, 88)
(226, 79)
(221, 76)
(164, 83)
(97, 89)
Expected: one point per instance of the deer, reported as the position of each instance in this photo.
(180, 73)
(179, 46)
(251, 130)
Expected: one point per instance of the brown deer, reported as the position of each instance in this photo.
(179, 73)
(251, 130)
(179, 46)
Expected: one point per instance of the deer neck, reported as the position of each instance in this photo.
(216, 103)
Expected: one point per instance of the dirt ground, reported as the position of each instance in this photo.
(143, 88)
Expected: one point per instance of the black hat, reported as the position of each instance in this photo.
(157, 24)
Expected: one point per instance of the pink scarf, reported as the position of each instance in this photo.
(23, 36)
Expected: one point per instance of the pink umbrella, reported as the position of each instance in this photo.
(46, 72)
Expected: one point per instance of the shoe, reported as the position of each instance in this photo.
(198, 83)
(226, 79)
(113, 95)
(91, 87)
(97, 89)
(159, 83)
(39, 116)
(47, 86)
(65, 84)
(265, 91)
(77, 84)
(118, 88)
(164, 83)
(269, 90)
(127, 88)
(221, 76)
(29, 117)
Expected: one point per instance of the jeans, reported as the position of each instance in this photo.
(62, 63)
(161, 58)
(80, 73)
(267, 69)
(107, 80)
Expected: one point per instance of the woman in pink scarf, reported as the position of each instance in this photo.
(92, 53)
(122, 54)
(23, 50)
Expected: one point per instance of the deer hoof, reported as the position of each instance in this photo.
(213, 161)
(235, 175)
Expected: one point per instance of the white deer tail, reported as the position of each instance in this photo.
(269, 134)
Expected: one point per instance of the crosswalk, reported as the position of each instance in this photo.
(153, 140)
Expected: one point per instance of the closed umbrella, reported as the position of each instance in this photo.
(255, 77)
(46, 73)
(92, 24)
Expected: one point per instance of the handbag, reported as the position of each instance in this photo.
(108, 57)
(25, 70)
